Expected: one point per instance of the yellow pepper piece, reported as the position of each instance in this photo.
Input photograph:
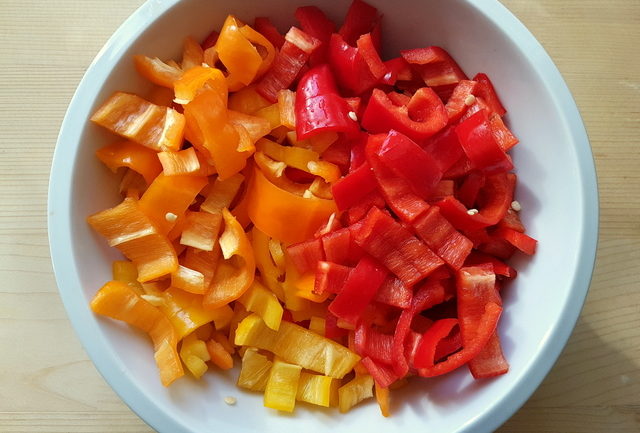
(269, 271)
(352, 393)
(194, 354)
(313, 309)
(255, 370)
(282, 386)
(318, 143)
(298, 345)
(260, 300)
(292, 299)
(317, 325)
(315, 389)
(235, 274)
(126, 271)
(118, 301)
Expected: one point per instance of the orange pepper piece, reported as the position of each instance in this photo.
(276, 211)
(156, 71)
(118, 301)
(129, 154)
(194, 79)
(182, 162)
(247, 100)
(192, 54)
(236, 272)
(130, 230)
(128, 115)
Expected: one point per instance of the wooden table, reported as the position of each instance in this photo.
(47, 383)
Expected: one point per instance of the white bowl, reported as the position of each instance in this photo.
(557, 190)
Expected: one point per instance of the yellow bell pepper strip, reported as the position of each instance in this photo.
(222, 193)
(192, 54)
(258, 299)
(312, 309)
(255, 370)
(239, 314)
(277, 254)
(219, 356)
(286, 108)
(237, 271)
(318, 143)
(192, 81)
(127, 272)
(358, 389)
(131, 231)
(128, 115)
(383, 399)
(201, 230)
(305, 285)
(210, 132)
(271, 114)
(194, 354)
(314, 389)
(129, 154)
(204, 262)
(257, 127)
(237, 54)
(274, 171)
(303, 159)
(317, 325)
(118, 301)
(269, 271)
(168, 197)
(182, 162)
(282, 386)
(247, 100)
(186, 313)
(188, 280)
(276, 212)
(156, 71)
(297, 345)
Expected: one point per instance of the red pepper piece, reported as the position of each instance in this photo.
(359, 290)
(393, 292)
(460, 168)
(480, 104)
(339, 153)
(265, 27)
(306, 255)
(354, 187)
(448, 345)
(499, 267)
(351, 69)
(435, 66)
(505, 138)
(358, 145)
(490, 362)
(359, 210)
(480, 146)
(498, 193)
(420, 119)
(485, 89)
(361, 18)
(471, 186)
(457, 102)
(314, 22)
(408, 160)
(497, 247)
(319, 108)
(336, 245)
(393, 245)
(442, 237)
(369, 53)
(397, 70)
(331, 329)
(374, 344)
(445, 148)
(396, 190)
(382, 374)
(524, 243)
(330, 277)
(432, 340)
(444, 188)
(512, 221)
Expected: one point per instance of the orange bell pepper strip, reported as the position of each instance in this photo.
(192, 54)
(118, 301)
(221, 194)
(201, 230)
(187, 87)
(129, 154)
(128, 115)
(269, 271)
(129, 229)
(268, 52)
(156, 71)
(168, 197)
(257, 127)
(297, 157)
(189, 280)
(276, 212)
(274, 171)
(182, 162)
(247, 100)
(286, 107)
(201, 261)
(236, 272)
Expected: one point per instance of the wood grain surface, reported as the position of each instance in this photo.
(47, 383)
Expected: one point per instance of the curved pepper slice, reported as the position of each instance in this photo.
(194, 79)
(128, 154)
(276, 211)
(235, 274)
(118, 301)
(157, 71)
(303, 159)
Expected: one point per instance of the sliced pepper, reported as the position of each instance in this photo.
(353, 392)
(255, 370)
(479, 144)
(260, 300)
(315, 389)
(128, 154)
(282, 386)
(182, 162)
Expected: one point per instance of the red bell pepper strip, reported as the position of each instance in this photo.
(382, 374)
(314, 22)
(408, 160)
(339, 247)
(490, 362)
(471, 186)
(350, 67)
(505, 138)
(361, 18)
(499, 267)
(331, 329)
(397, 70)
(497, 247)
(444, 188)
(498, 191)
(359, 290)
(524, 243)
(445, 148)
(484, 88)
(512, 221)
(306, 255)
(457, 104)
(439, 235)
(288, 63)
(393, 245)
(420, 119)
(435, 66)
(369, 52)
(319, 108)
(354, 187)
(396, 190)
(432, 339)
(330, 277)
(265, 27)
(448, 345)
(358, 146)
(393, 292)
(376, 345)
(480, 146)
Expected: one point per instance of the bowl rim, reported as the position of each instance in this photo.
(106, 360)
